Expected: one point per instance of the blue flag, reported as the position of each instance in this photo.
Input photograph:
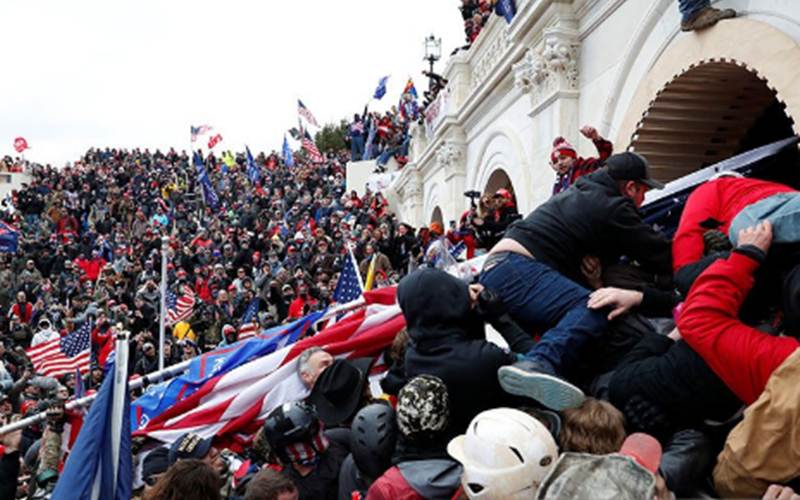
(381, 90)
(288, 159)
(158, 397)
(253, 171)
(507, 9)
(91, 459)
(9, 238)
(209, 195)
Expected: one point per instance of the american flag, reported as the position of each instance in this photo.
(61, 356)
(180, 308)
(313, 153)
(249, 326)
(305, 113)
(198, 131)
(349, 286)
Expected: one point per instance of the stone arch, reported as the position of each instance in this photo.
(432, 201)
(710, 112)
(760, 51)
(436, 215)
(502, 150)
(499, 180)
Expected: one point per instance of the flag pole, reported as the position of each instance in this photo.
(152, 378)
(163, 315)
(118, 401)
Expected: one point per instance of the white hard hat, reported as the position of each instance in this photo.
(505, 453)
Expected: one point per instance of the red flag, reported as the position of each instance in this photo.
(20, 144)
(214, 140)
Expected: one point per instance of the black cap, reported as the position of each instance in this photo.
(630, 166)
(339, 389)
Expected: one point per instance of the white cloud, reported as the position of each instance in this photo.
(98, 73)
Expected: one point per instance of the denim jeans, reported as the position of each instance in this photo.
(538, 296)
(356, 147)
(689, 8)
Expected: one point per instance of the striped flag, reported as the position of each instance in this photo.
(249, 325)
(180, 308)
(198, 131)
(313, 152)
(236, 402)
(305, 113)
(349, 286)
(61, 356)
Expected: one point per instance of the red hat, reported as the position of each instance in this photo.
(644, 449)
(562, 147)
(503, 193)
(437, 228)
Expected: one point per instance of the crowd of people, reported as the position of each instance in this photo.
(90, 252)
(629, 365)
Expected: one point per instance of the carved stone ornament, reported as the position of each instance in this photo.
(550, 67)
(449, 155)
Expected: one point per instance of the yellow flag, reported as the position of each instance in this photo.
(370, 274)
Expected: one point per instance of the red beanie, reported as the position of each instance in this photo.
(562, 147)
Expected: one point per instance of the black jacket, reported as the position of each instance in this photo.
(591, 217)
(444, 342)
(673, 382)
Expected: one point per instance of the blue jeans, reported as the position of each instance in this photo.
(538, 296)
(689, 8)
(356, 147)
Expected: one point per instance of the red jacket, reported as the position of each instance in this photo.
(91, 267)
(722, 200)
(103, 343)
(297, 305)
(743, 357)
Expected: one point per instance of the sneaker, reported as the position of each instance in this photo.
(526, 378)
(707, 17)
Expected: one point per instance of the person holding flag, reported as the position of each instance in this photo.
(100, 464)
(288, 158)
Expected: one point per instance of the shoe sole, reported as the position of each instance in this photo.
(548, 390)
(706, 24)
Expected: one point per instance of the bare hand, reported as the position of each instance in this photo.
(778, 492)
(474, 292)
(590, 132)
(592, 270)
(621, 300)
(760, 236)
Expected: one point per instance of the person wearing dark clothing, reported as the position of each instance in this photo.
(447, 341)
(536, 269)
(666, 373)
(310, 459)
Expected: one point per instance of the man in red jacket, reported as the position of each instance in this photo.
(713, 206)
(569, 166)
(761, 369)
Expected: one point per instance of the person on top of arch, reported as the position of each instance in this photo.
(569, 166)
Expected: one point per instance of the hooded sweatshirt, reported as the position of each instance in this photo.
(446, 339)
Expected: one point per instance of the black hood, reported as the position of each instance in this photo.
(434, 303)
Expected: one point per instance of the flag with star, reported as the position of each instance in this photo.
(65, 355)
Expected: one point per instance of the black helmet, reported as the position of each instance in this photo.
(372, 439)
(290, 423)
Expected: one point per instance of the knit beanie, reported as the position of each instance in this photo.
(562, 147)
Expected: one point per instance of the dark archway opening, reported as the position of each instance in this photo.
(711, 112)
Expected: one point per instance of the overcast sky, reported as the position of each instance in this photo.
(100, 73)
